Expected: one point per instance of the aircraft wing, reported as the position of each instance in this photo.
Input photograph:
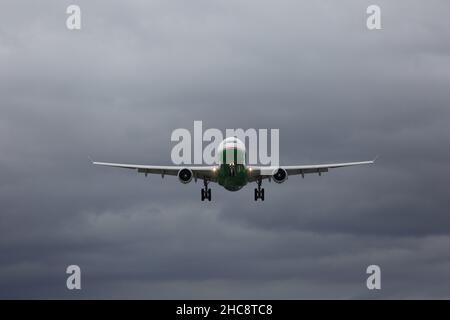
(207, 172)
(265, 172)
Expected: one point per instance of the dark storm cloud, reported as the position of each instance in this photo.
(116, 89)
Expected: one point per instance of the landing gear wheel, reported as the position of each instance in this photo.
(259, 192)
(206, 192)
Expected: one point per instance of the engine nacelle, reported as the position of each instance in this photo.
(279, 175)
(185, 175)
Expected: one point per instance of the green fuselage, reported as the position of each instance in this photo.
(232, 177)
(232, 174)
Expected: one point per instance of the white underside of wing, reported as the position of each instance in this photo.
(135, 166)
(304, 169)
(149, 167)
(201, 172)
(329, 165)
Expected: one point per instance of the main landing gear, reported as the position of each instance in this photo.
(206, 192)
(259, 192)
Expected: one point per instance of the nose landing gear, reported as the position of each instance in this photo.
(206, 192)
(259, 192)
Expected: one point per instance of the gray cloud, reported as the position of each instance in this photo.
(116, 89)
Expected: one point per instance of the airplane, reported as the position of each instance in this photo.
(231, 172)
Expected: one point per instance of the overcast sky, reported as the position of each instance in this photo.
(137, 70)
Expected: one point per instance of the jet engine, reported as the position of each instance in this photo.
(279, 175)
(185, 175)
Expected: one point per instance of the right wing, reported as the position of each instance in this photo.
(266, 172)
(318, 168)
(208, 172)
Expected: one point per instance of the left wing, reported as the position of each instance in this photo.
(207, 172)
